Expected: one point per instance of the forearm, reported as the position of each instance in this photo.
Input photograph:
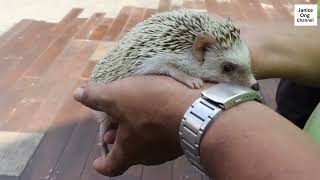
(285, 51)
(250, 141)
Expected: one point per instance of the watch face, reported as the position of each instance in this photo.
(228, 95)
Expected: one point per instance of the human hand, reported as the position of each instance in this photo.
(146, 113)
(281, 50)
(254, 35)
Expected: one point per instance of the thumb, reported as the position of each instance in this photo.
(113, 164)
(94, 96)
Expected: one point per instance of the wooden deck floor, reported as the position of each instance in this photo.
(41, 63)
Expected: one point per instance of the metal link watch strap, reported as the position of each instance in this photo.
(205, 111)
(193, 125)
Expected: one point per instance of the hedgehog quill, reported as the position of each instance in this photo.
(191, 47)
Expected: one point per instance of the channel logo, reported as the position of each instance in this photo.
(305, 15)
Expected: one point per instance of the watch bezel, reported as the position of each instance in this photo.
(227, 95)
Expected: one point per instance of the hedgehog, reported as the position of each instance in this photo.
(191, 47)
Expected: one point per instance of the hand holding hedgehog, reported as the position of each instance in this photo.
(190, 47)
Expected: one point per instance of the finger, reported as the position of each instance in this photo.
(96, 97)
(110, 136)
(113, 164)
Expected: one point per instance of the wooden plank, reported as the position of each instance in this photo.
(146, 14)
(205, 177)
(212, 6)
(136, 17)
(20, 57)
(259, 10)
(56, 84)
(23, 44)
(239, 13)
(182, 169)
(101, 50)
(224, 9)
(20, 113)
(227, 9)
(281, 10)
(43, 62)
(87, 72)
(67, 19)
(8, 177)
(15, 31)
(23, 53)
(188, 4)
(250, 11)
(89, 173)
(160, 172)
(194, 4)
(117, 25)
(289, 6)
(175, 7)
(199, 4)
(269, 9)
(20, 46)
(149, 12)
(50, 149)
(164, 5)
(59, 81)
(73, 159)
(133, 16)
(93, 22)
(133, 173)
(10, 99)
(63, 32)
(101, 30)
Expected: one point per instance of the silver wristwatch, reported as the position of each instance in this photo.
(204, 111)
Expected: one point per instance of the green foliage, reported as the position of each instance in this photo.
(319, 8)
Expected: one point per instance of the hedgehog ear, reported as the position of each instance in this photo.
(202, 41)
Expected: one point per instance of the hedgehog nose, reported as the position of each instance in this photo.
(255, 87)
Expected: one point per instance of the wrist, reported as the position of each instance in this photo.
(223, 134)
(204, 111)
(182, 104)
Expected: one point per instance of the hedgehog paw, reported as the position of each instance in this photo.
(194, 83)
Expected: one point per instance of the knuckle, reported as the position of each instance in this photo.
(96, 97)
(105, 100)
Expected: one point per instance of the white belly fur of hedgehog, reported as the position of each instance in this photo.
(164, 44)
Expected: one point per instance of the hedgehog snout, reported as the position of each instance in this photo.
(254, 84)
(255, 87)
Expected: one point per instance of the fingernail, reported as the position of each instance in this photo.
(78, 93)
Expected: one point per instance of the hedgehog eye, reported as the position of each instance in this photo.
(228, 67)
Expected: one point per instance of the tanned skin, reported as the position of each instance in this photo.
(249, 141)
